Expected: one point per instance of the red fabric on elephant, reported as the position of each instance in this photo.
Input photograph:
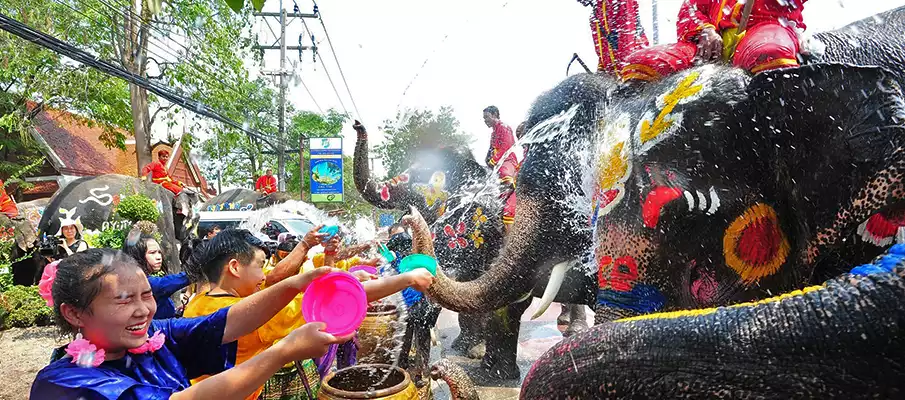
(160, 176)
(617, 33)
(7, 204)
(770, 42)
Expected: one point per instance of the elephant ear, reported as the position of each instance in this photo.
(860, 108)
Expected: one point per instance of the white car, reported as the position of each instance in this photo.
(275, 223)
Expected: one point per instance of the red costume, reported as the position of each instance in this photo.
(770, 41)
(160, 176)
(266, 184)
(617, 33)
(501, 141)
(7, 204)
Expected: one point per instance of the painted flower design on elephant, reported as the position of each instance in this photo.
(385, 189)
(476, 238)
(435, 192)
(613, 168)
(455, 236)
(479, 218)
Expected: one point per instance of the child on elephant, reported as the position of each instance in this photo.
(120, 352)
(233, 263)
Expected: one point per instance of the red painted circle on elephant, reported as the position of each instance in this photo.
(759, 241)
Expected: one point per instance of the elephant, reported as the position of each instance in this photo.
(460, 199)
(243, 200)
(841, 339)
(706, 188)
(92, 200)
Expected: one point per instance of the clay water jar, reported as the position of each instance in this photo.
(368, 381)
(376, 334)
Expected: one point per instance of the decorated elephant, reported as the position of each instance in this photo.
(708, 187)
(460, 200)
(243, 200)
(91, 200)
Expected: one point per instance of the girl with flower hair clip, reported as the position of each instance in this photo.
(120, 352)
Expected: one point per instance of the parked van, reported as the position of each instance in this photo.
(280, 222)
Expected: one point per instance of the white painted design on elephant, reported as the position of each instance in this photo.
(118, 225)
(97, 195)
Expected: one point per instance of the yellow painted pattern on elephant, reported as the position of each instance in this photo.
(707, 311)
(755, 245)
(435, 192)
(663, 124)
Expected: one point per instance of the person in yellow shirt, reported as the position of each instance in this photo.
(233, 263)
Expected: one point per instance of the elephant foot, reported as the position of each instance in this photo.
(564, 315)
(464, 343)
(477, 351)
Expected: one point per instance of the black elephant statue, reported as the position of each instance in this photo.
(92, 201)
(243, 200)
(460, 201)
(708, 187)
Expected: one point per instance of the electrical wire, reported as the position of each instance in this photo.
(42, 39)
(311, 96)
(336, 58)
(338, 97)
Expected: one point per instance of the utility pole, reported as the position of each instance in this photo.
(283, 73)
(656, 22)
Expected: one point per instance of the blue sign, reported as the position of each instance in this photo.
(326, 170)
(386, 220)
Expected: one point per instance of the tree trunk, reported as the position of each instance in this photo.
(133, 55)
(142, 125)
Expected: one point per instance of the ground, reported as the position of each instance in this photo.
(535, 337)
(23, 352)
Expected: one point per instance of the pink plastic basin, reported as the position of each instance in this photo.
(338, 300)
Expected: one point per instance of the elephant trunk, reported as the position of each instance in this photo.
(460, 385)
(511, 277)
(366, 184)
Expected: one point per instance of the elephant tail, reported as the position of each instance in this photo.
(460, 385)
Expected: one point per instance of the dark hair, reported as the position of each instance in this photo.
(493, 111)
(136, 245)
(206, 264)
(189, 247)
(79, 280)
(395, 227)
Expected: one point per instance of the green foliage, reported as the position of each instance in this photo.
(23, 307)
(109, 238)
(137, 207)
(6, 278)
(415, 130)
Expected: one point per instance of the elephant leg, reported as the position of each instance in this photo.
(471, 331)
(502, 345)
(579, 320)
(565, 314)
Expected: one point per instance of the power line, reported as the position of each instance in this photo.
(338, 97)
(311, 96)
(336, 58)
(42, 39)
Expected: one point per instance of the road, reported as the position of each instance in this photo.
(535, 338)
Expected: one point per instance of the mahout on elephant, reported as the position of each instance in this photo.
(708, 187)
(91, 200)
(460, 199)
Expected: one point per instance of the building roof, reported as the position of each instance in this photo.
(74, 147)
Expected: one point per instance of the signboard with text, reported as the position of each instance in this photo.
(326, 170)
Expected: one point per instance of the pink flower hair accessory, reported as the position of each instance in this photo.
(153, 344)
(84, 354)
(45, 286)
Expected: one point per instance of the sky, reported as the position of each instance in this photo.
(467, 54)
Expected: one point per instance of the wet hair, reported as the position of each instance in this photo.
(206, 264)
(136, 245)
(189, 247)
(493, 111)
(79, 280)
(395, 227)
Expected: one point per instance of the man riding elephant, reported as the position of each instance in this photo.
(159, 174)
(501, 140)
(708, 30)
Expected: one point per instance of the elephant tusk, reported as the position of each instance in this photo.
(556, 277)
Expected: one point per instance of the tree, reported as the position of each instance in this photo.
(415, 130)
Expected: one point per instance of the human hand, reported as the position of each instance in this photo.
(419, 279)
(350, 251)
(710, 45)
(308, 341)
(313, 237)
(363, 276)
(303, 280)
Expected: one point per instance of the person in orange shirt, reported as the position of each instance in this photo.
(708, 31)
(267, 183)
(7, 204)
(233, 262)
(159, 174)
